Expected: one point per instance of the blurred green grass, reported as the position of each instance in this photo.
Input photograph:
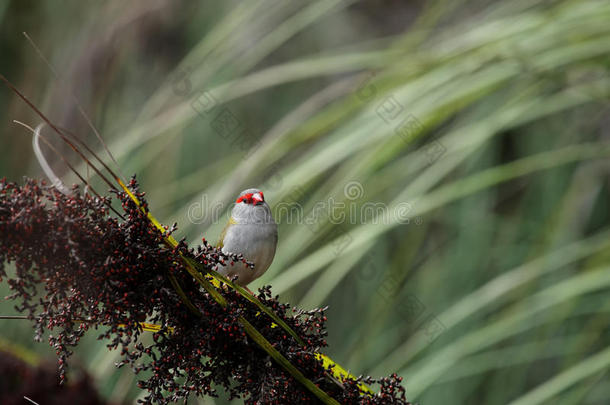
(494, 292)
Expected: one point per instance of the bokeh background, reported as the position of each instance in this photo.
(439, 170)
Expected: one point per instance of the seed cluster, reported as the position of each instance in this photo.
(80, 268)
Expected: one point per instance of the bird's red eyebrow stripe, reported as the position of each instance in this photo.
(247, 197)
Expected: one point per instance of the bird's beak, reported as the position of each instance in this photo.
(257, 198)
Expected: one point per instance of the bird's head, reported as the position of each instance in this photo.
(251, 196)
(250, 207)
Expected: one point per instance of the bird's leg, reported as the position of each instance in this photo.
(249, 290)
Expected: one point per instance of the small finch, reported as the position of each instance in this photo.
(252, 232)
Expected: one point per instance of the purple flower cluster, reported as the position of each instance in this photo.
(78, 267)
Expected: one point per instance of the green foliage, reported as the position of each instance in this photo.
(485, 124)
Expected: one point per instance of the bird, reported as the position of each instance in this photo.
(251, 232)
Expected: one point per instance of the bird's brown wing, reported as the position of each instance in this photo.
(221, 239)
